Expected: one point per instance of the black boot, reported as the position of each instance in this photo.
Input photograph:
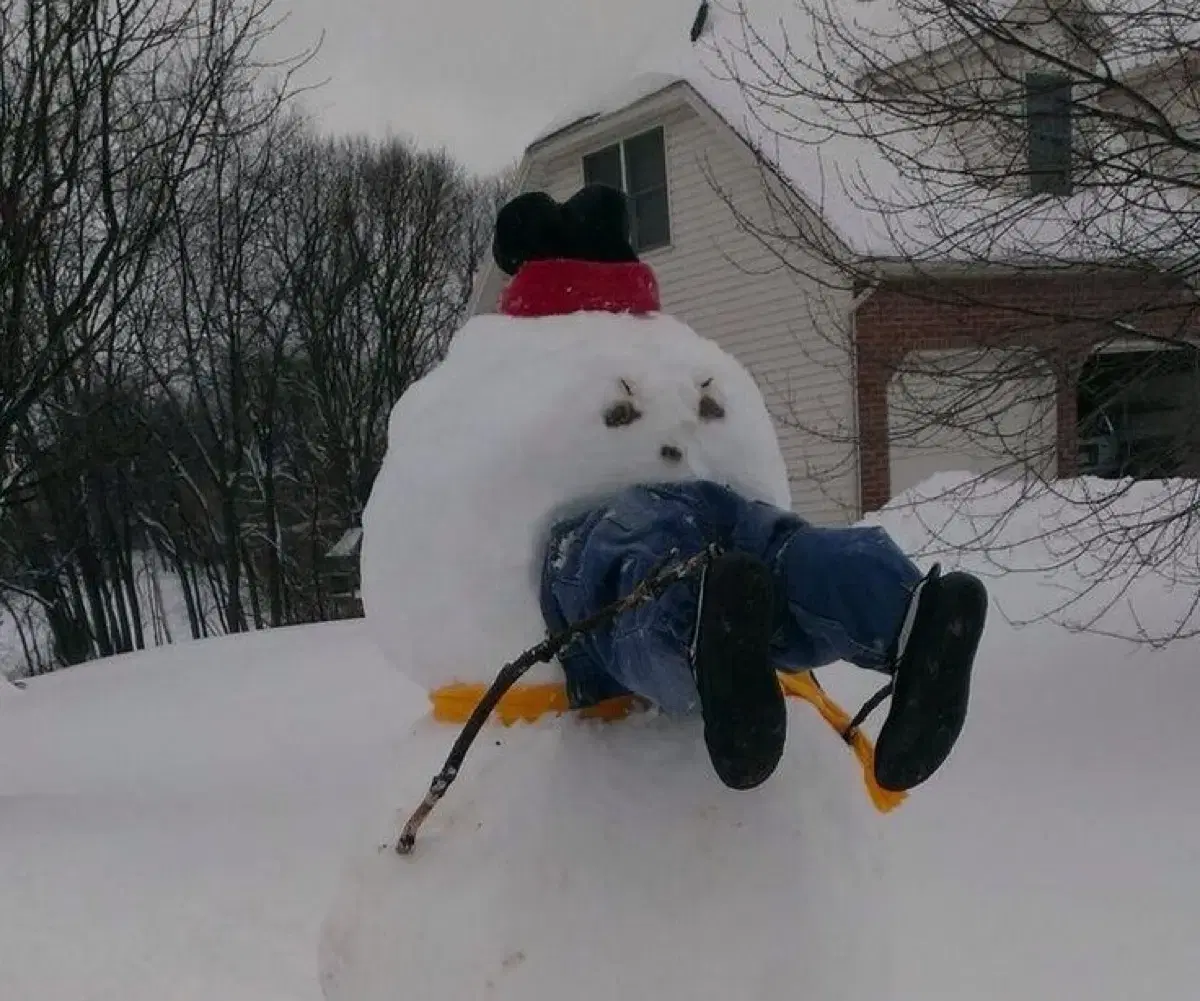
(745, 718)
(934, 656)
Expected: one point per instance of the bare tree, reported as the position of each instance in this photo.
(103, 108)
(377, 246)
(208, 316)
(218, 325)
(1004, 196)
(107, 109)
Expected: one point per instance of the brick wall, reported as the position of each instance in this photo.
(1063, 315)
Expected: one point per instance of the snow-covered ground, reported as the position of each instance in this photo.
(1057, 855)
(172, 824)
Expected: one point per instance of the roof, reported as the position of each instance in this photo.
(826, 154)
(1150, 30)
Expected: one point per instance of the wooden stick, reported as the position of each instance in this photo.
(651, 588)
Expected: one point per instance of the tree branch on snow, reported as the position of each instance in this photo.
(652, 586)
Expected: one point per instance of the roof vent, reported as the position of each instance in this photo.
(700, 22)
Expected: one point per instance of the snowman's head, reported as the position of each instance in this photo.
(628, 409)
(579, 388)
(672, 404)
(580, 406)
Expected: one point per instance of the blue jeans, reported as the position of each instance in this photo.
(841, 592)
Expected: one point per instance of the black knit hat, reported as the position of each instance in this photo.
(593, 225)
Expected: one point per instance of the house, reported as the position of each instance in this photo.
(884, 356)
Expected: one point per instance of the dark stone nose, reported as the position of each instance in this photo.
(670, 453)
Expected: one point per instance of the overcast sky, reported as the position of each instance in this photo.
(481, 77)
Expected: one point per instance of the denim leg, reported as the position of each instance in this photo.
(601, 558)
(842, 592)
(847, 590)
(651, 644)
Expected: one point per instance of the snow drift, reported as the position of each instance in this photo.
(171, 822)
(1115, 556)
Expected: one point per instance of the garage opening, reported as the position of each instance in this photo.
(1139, 414)
(982, 411)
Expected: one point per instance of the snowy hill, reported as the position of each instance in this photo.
(172, 823)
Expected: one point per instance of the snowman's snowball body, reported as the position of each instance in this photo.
(507, 434)
(605, 862)
(573, 858)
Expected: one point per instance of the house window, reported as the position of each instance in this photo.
(1137, 414)
(1048, 118)
(637, 166)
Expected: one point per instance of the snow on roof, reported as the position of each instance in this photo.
(830, 159)
(635, 89)
(1149, 30)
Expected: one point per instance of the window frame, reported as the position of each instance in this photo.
(1044, 102)
(620, 146)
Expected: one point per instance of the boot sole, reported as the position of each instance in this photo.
(929, 703)
(745, 715)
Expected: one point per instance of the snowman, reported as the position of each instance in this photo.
(648, 814)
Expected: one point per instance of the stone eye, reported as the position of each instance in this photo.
(710, 409)
(621, 414)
